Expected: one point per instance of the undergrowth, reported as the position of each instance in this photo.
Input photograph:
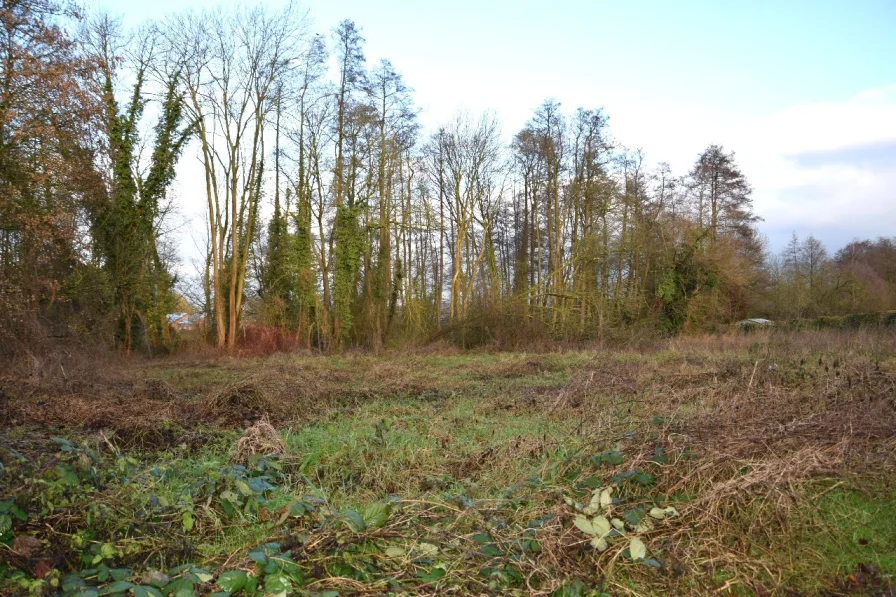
(742, 465)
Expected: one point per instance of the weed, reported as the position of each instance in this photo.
(750, 465)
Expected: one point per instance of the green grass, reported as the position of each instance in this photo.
(471, 465)
(853, 525)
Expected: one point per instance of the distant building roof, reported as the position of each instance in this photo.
(756, 321)
(195, 318)
(173, 317)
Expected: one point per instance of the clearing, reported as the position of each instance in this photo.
(750, 464)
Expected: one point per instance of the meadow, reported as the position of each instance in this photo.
(733, 464)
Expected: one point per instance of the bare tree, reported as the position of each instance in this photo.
(232, 63)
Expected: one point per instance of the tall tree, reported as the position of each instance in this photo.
(232, 63)
(346, 235)
(724, 201)
(126, 225)
(47, 146)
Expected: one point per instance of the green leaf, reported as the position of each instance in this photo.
(574, 589)
(293, 571)
(613, 458)
(70, 582)
(434, 575)
(119, 586)
(19, 513)
(184, 591)
(355, 521)
(5, 524)
(601, 524)
(376, 514)
(107, 551)
(482, 538)
(119, 573)
(658, 457)
(187, 521)
(658, 513)
(64, 444)
(67, 475)
(295, 510)
(634, 516)
(244, 489)
(643, 478)
(233, 580)
(228, 508)
(490, 550)
(277, 583)
(180, 587)
(201, 575)
(592, 482)
(271, 567)
(146, 592)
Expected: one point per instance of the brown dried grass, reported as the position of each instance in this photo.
(260, 439)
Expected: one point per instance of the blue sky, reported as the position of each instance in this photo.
(803, 91)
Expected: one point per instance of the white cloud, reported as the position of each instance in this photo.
(864, 119)
(827, 169)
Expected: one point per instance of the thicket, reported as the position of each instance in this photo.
(380, 233)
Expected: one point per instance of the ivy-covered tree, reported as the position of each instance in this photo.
(126, 225)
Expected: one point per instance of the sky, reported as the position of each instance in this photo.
(804, 92)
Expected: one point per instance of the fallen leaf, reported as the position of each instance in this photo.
(606, 499)
(427, 549)
(395, 552)
(602, 525)
(585, 525)
(26, 545)
(42, 569)
(637, 549)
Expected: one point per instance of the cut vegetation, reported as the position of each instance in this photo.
(757, 464)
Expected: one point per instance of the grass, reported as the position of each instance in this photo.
(465, 473)
(854, 525)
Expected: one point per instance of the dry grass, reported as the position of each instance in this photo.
(754, 430)
(259, 439)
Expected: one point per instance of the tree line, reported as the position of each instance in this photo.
(379, 232)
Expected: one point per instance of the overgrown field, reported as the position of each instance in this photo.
(759, 464)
